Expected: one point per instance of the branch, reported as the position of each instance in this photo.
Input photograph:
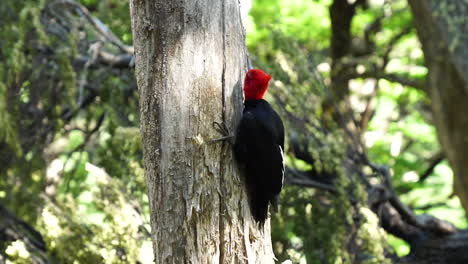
(391, 77)
(424, 222)
(296, 177)
(392, 42)
(374, 27)
(97, 24)
(431, 206)
(405, 212)
(13, 228)
(434, 161)
(120, 61)
(369, 111)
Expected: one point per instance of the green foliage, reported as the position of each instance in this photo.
(293, 18)
(288, 40)
(312, 226)
(14, 31)
(20, 22)
(17, 252)
(49, 140)
(408, 145)
(329, 221)
(100, 226)
(101, 219)
(372, 239)
(76, 172)
(122, 154)
(400, 246)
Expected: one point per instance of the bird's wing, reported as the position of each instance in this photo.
(277, 169)
(268, 156)
(256, 147)
(243, 137)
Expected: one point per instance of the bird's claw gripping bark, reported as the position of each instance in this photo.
(223, 130)
(221, 127)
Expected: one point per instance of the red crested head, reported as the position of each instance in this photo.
(255, 84)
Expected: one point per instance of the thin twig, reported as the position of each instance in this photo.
(434, 161)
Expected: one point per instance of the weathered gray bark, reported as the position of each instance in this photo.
(190, 62)
(443, 31)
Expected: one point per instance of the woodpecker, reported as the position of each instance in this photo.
(259, 146)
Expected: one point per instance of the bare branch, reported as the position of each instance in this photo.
(434, 161)
(296, 177)
(391, 77)
(97, 24)
(423, 221)
(120, 61)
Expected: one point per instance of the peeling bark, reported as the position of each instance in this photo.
(190, 60)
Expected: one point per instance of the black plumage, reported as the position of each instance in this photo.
(259, 149)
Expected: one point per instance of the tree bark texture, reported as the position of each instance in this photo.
(190, 63)
(443, 31)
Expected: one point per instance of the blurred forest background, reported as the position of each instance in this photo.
(71, 175)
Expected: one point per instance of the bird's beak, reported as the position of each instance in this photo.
(269, 77)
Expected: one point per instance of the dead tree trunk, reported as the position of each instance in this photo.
(190, 62)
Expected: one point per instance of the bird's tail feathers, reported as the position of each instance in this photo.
(259, 209)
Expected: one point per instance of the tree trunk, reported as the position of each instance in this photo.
(190, 62)
(443, 32)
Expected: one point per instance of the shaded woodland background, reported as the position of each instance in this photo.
(351, 79)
